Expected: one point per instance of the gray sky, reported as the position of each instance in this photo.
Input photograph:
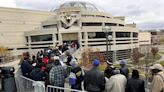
(148, 14)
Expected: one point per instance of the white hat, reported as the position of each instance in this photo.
(109, 62)
(56, 58)
(157, 66)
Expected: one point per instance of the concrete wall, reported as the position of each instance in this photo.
(144, 38)
(14, 22)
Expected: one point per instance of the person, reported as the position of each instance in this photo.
(37, 74)
(60, 49)
(157, 84)
(94, 80)
(69, 58)
(26, 66)
(57, 75)
(124, 70)
(22, 58)
(79, 76)
(65, 47)
(8, 83)
(109, 69)
(51, 63)
(116, 82)
(134, 84)
(34, 60)
(45, 59)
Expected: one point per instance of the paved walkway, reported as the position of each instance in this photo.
(161, 59)
(13, 64)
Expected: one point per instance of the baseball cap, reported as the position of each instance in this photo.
(122, 62)
(157, 66)
(96, 62)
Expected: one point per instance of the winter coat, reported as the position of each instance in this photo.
(37, 74)
(158, 82)
(124, 71)
(135, 85)
(94, 80)
(26, 68)
(116, 83)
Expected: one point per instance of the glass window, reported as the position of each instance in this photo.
(135, 34)
(122, 34)
(27, 39)
(39, 38)
(93, 35)
(57, 38)
(50, 26)
(91, 24)
(110, 24)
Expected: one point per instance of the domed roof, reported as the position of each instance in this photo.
(83, 5)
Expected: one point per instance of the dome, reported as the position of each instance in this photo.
(83, 5)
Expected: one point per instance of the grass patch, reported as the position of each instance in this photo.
(162, 63)
(162, 53)
(157, 56)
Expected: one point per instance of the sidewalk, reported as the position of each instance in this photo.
(13, 64)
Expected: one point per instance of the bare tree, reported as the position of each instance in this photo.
(154, 51)
(5, 53)
(136, 55)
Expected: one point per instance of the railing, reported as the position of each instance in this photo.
(25, 84)
(61, 89)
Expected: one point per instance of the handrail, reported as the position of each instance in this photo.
(26, 78)
(67, 89)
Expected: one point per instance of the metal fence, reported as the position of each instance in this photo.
(61, 89)
(27, 85)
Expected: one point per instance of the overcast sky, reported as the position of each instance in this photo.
(148, 14)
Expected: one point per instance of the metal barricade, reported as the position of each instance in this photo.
(29, 85)
(51, 88)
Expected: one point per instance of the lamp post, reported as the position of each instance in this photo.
(106, 30)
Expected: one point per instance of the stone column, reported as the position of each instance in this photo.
(29, 42)
(60, 38)
(54, 39)
(114, 45)
(79, 38)
(86, 38)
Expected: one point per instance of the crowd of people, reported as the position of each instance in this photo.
(49, 66)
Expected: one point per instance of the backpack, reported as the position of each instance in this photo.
(72, 79)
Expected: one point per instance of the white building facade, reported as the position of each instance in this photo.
(84, 23)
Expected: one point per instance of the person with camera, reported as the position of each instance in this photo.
(7, 79)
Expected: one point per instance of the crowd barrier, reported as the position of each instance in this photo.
(61, 89)
(25, 84)
(28, 85)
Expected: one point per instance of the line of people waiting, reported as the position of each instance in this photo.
(53, 71)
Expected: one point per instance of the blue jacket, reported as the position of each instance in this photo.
(26, 68)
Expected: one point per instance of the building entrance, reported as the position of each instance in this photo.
(71, 38)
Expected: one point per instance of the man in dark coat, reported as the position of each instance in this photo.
(37, 74)
(135, 84)
(124, 70)
(26, 66)
(94, 80)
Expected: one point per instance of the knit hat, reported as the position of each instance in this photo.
(96, 62)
